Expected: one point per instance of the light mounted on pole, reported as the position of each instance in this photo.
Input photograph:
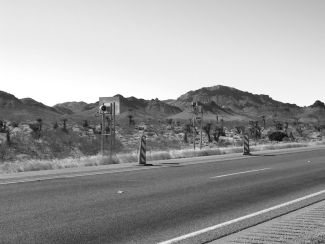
(103, 108)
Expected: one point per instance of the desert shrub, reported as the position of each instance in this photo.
(14, 124)
(4, 152)
(65, 129)
(169, 121)
(85, 124)
(34, 127)
(150, 134)
(53, 144)
(59, 142)
(64, 144)
(218, 131)
(2, 126)
(89, 145)
(286, 139)
(224, 143)
(106, 160)
(207, 130)
(162, 143)
(55, 125)
(277, 136)
(22, 144)
(202, 153)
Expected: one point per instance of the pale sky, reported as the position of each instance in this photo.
(76, 50)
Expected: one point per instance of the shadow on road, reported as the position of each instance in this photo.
(261, 155)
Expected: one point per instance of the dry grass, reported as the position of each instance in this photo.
(35, 165)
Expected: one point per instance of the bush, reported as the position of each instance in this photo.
(277, 136)
(53, 144)
(4, 152)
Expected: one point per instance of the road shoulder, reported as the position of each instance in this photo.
(7, 178)
(306, 225)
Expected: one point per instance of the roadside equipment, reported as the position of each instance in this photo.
(246, 145)
(142, 151)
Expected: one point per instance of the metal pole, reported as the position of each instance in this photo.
(201, 130)
(114, 113)
(102, 136)
(111, 132)
(194, 133)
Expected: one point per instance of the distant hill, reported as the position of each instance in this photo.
(218, 102)
(233, 104)
(32, 103)
(71, 107)
(139, 108)
(8, 100)
(26, 109)
(155, 106)
(318, 104)
(229, 97)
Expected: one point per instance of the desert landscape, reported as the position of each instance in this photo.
(71, 131)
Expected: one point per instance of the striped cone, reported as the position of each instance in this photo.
(246, 145)
(142, 151)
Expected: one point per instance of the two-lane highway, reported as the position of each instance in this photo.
(150, 206)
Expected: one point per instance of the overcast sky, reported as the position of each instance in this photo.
(76, 50)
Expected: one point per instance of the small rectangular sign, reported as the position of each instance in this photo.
(107, 102)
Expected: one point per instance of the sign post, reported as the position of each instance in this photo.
(200, 121)
(109, 106)
(197, 110)
(194, 133)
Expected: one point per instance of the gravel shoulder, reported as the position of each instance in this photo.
(306, 225)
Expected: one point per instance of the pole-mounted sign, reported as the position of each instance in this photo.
(104, 109)
(105, 103)
(108, 108)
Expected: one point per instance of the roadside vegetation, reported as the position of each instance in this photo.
(34, 146)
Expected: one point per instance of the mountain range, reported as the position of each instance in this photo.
(218, 102)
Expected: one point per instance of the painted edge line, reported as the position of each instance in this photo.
(68, 176)
(211, 228)
(8, 182)
(239, 173)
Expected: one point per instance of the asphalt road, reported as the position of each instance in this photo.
(154, 205)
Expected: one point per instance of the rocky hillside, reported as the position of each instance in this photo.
(233, 104)
(71, 107)
(318, 105)
(12, 108)
(218, 102)
(138, 108)
(8, 100)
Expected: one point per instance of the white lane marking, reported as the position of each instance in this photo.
(238, 173)
(75, 175)
(8, 182)
(196, 233)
